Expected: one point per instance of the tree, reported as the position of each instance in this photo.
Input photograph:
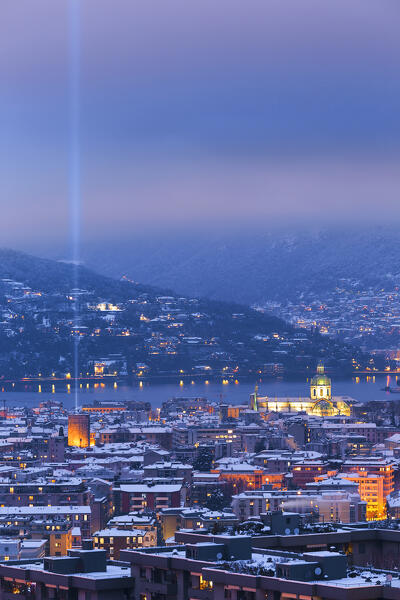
(216, 500)
(204, 460)
(259, 446)
(251, 528)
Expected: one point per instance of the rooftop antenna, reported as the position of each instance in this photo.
(74, 171)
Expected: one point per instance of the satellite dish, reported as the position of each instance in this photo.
(219, 556)
(287, 531)
(296, 531)
(318, 571)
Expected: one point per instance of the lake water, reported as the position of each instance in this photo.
(362, 389)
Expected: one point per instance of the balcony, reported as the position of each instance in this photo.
(198, 594)
(166, 589)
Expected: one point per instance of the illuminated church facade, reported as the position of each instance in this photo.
(320, 403)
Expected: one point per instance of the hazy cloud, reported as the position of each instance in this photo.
(225, 111)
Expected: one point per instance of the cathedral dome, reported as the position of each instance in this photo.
(321, 380)
(320, 385)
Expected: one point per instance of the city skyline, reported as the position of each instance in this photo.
(199, 300)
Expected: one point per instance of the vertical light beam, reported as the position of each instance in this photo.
(74, 171)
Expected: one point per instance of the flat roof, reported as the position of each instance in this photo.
(140, 487)
(43, 510)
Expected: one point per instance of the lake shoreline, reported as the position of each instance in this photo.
(361, 388)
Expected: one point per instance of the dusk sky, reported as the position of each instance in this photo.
(222, 112)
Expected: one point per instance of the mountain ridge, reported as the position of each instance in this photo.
(253, 267)
(172, 334)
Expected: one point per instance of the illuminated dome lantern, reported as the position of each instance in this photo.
(321, 385)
